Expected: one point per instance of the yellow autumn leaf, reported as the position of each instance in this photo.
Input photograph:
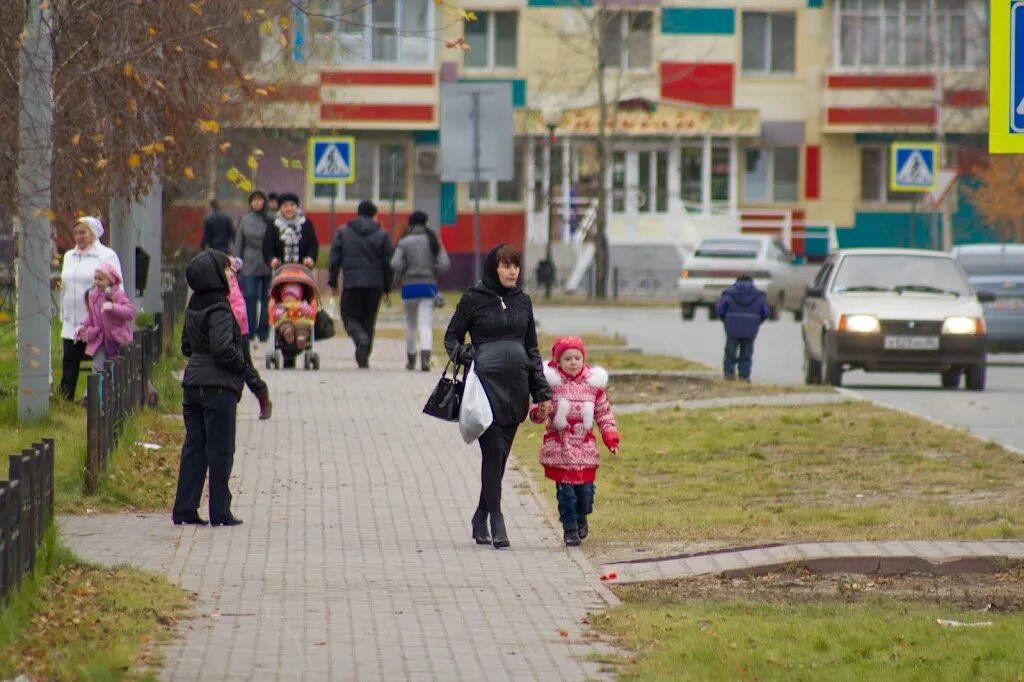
(252, 163)
(188, 173)
(224, 146)
(133, 106)
(128, 71)
(101, 163)
(257, 152)
(296, 164)
(233, 174)
(149, 149)
(196, 7)
(285, 162)
(262, 92)
(209, 126)
(158, 83)
(51, 214)
(151, 30)
(284, 22)
(245, 185)
(76, 138)
(134, 160)
(211, 43)
(213, 65)
(169, 139)
(267, 28)
(159, 146)
(282, 41)
(247, 15)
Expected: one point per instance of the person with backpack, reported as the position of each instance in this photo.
(743, 308)
(363, 251)
(419, 258)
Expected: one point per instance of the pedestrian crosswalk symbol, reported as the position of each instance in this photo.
(913, 167)
(331, 160)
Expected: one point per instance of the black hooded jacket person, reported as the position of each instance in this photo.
(213, 380)
(218, 230)
(362, 250)
(500, 321)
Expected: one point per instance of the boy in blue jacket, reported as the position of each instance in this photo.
(743, 307)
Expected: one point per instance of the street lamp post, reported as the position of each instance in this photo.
(552, 117)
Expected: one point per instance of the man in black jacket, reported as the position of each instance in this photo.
(363, 250)
(218, 230)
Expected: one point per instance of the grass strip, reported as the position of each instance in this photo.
(875, 639)
(74, 621)
(827, 472)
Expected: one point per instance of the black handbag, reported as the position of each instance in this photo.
(446, 400)
(323, 327)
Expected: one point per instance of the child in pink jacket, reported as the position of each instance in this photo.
(569, 450)
(252, 376)
(109, 314)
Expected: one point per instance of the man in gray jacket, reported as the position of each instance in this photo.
(254, 276)
(363, 251)
(419, 259)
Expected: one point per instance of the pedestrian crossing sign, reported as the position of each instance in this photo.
(331, 160)
(913, 167)
(1006, 77)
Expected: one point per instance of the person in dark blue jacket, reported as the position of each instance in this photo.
(743, 307)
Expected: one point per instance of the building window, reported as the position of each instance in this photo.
(626, 39)
(355, 31)
(374, 164)
(769, 42)
(492, 40)
(507, 191)
(874, 178)
(652, 181)
(691, 168)
(771, 174)
(720, 171)
(897, 33)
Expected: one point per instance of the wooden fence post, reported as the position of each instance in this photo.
(94, 431)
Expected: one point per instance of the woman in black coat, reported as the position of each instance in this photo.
(290, 237)
(498, 316)
(212, 342)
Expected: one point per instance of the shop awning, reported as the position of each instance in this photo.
(654, 120)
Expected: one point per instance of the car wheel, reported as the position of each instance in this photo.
(773, 310)
(798, 314)
(812, 368)
(975, 377)
(951, 377)
(712, 312)
(833, 368)
(689, 311)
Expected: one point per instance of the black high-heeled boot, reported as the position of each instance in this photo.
(480, 532)
(499, 537)
(410, 363)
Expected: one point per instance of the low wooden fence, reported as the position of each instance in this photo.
(26, 509)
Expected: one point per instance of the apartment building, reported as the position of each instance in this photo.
(723, 114)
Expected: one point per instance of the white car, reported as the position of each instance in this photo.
(894, 310)
(718, 261)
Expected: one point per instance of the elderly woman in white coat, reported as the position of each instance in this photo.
(76, 277)
(418, 259)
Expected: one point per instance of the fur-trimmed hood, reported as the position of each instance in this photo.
(593, 376)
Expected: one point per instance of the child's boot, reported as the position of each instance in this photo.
(410, 361)
(425, 360)
(582, 527)
(571, 536)
(265, 404)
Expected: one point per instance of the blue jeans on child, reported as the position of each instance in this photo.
(738, 351)
(575, 502)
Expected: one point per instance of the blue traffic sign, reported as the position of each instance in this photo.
(914, 166)
(331, 160)
(1017, 67)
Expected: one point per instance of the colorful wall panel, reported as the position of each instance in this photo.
(708, 84)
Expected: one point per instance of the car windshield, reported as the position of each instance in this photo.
(1001, 287)
(727, 248)
(900, 273)
(1008, 262)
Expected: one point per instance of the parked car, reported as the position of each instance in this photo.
(894, 310)
(718, 261)
(999, 269)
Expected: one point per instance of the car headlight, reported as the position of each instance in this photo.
(859, 324)
(963, 325)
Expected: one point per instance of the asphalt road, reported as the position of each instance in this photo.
(996, 413)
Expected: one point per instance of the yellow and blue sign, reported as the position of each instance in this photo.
(332, 160)
(914, 167)
(1006, 77)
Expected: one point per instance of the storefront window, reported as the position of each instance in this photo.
(618, 182)
(720, 171)
(691, 165)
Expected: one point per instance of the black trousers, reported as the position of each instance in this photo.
(209, 445)
(495, 445)
(74, 353)
(252, 376)
(359, 307)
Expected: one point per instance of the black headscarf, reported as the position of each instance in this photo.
(205, 276)
(490, 273)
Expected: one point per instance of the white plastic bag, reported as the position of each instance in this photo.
(475, 415)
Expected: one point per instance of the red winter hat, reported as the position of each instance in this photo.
(565, 343)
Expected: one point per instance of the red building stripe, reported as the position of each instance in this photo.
(708, 84)
(966, 98)
(377, 112)
(812, 172)
(376, 78)
(839, 81)
(294, 93)
(882, 115)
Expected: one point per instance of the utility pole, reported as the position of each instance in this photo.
(933, 26)
(35, 131)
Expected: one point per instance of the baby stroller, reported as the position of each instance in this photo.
(292, 310)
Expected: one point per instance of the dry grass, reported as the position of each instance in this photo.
(652, 388)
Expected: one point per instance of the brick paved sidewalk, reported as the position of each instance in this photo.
(355, 561)
(941, 557)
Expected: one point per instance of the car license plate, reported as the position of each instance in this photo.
(911, 343)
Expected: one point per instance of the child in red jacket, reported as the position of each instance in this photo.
(569, 451)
